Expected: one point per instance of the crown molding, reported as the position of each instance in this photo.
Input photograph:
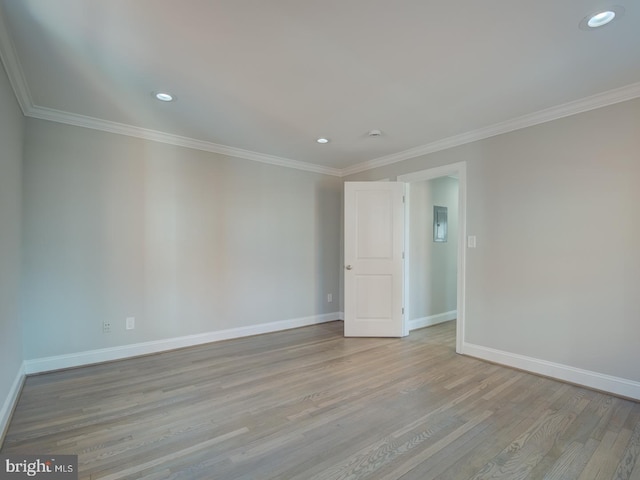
(13, 67)
(20, 87)
(18, 82)
(162, 137)
(593, 102)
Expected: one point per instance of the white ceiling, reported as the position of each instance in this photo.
(263, 79)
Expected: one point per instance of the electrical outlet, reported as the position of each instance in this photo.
(106, 327)
(131, 323)
(330, 297)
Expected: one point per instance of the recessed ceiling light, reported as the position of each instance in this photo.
(322, 140)
(601, 18)
(164, 97)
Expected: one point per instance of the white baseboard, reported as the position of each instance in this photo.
(58, 362)
(10, 402)
(598, 381)
(340, 316)
(432, 320)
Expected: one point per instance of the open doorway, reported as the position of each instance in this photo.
(435, 253)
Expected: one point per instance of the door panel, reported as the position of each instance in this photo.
(371, 296)
(374, 228)
(374, 242)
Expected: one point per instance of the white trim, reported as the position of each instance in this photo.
(20, 87)
(58, 362)
(406, 279)
(340, 316)
(18, 82)
(452, 169)
(593, 102)
(599, 100)
(13, 67)
(606, 383)
(460, 170)
(10, 402)
(432, 320)
(162, 137)
(462, 256)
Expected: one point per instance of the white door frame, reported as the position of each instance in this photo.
(460, 170)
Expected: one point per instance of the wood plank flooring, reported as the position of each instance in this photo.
(309, 404)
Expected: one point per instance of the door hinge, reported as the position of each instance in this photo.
(403, 199)
(403, 310)
(403, 255)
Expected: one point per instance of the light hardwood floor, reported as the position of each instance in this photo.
(309, 404)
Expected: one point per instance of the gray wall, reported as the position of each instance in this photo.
(556, 272)
(191, 242)
(433, 265)
(185, 241)
(11, 137)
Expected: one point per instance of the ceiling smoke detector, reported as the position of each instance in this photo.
(375, 133)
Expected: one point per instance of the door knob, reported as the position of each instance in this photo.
(348, 267)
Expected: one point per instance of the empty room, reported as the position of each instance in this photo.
(326, 240)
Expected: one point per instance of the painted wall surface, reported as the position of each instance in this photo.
(185, 241)
(11, 138)
(433, 265)
(556, 272)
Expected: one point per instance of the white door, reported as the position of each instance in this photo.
(373, 251)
